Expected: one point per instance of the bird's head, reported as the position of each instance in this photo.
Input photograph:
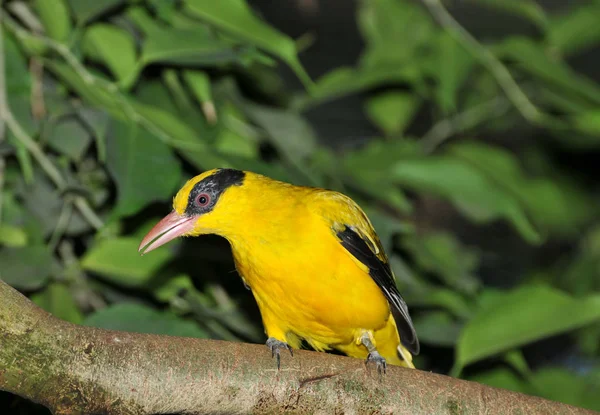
(198, 208)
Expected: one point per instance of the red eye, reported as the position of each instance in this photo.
(202, 199)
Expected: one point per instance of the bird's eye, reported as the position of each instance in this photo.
(202, 199)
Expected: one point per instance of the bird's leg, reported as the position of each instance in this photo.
(275, 346)
(367, 340)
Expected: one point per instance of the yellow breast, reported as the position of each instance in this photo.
(305, 281)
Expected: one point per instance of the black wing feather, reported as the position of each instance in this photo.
(382, 274)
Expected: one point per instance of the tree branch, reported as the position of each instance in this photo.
(76, 369)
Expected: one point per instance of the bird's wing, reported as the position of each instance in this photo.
(356, 234)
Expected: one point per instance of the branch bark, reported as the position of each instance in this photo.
(76, 369)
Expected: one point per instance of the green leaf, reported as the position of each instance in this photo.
(144, 168)
(364, 168)
(588, 122)
(187, 47)
(387, 227)
(588, 338)
(190, 143)
(555, 205)
(48, 212)
(580, 274)
(231, 143)
(503, 378)
(97, 122)
(236, 18)
(176, 132)
(235, 136)
(26, 268)
(55, 18)
(288, 131)
(455, 63)
(450, 300)
(443, 255)
(179, 94)
(437, 328)
(95, 94)
(522, 316)
(86, 10)
(468, 189)
(58, 300)
(532, 58)
(366, 162)
(119, 261)
(12, 236)
(392, 111)
(164, 9)
(345, 81)
(199, 83)
(114, 47)
(386, 24)
(173, 287)
(69, 137)
(575, 30)
(528, 9)
(517, 360)
(565, 386)
(142, 319)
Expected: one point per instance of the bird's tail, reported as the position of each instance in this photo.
(388, 344)
(406, 356)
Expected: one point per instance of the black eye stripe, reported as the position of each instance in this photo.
(212, 187)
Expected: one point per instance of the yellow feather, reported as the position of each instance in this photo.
(306, 284)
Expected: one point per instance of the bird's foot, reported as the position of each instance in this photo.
(275, 346)
(379, 361)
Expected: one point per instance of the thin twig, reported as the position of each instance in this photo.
(502, 75)
(22, 10)
(87, 212)
(59, 48)
(3, 106)
(46, 164)
(38, 107)
(447, 127)
(35, 150)
(84, 294)
(2, 167)
(61, 223)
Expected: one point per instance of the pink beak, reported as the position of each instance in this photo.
(170, 227)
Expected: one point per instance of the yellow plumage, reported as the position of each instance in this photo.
(286, 245)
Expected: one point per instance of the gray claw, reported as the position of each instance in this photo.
(275, 346)
(379, 361)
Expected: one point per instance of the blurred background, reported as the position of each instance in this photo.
(469, 130)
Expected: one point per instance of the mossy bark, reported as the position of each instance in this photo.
(73, 369)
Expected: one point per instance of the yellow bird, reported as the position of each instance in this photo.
(311, 258)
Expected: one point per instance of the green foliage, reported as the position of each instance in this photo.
(488, 213)
(118, 260)
(499, 325)
(27, 267)
(56, 298)
(142, 319)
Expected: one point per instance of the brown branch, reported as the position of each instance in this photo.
(75, 369)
